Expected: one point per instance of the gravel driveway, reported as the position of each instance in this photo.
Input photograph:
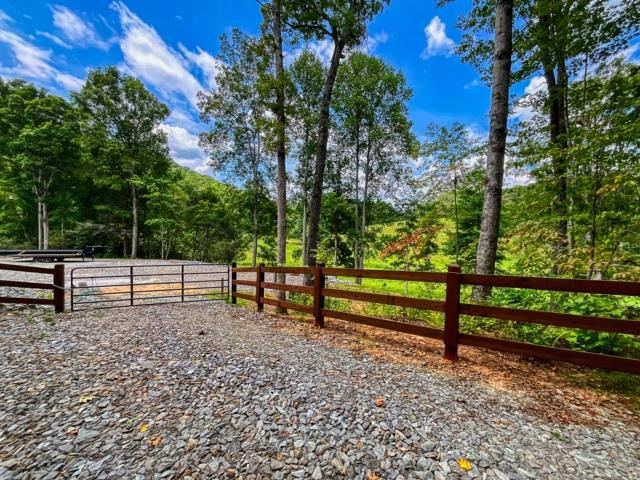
(214, 391)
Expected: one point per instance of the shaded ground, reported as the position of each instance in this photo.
(212, 391)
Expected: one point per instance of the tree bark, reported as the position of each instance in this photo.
(281, 146)
(490, 224)
(134, 227)
(558, 140)
(45, 225)
(321, 152)
(557, 92)
(39, 206)
(254, 252)
(365, 198)
(356, 243)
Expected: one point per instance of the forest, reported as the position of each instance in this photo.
(321, 162)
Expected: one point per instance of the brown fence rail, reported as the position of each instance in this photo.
(452, 308)
(56, 286)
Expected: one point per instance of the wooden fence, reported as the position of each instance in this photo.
(57, 285)
(452, 308)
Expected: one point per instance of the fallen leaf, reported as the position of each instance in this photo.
(465, 464)
(72, 431)
(191, 444)
(85, 398)
(372, 476)
(379, 402)
(143, 428)
(154, 441)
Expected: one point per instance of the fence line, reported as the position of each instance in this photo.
(56, 285)
(452, 308)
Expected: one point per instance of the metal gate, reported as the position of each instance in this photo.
(147, 284)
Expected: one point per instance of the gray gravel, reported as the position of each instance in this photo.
(214, 391)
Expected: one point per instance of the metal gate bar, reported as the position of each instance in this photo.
(136, 287)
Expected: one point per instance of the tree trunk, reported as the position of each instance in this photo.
(134, 227)
(455, 214)
(304, 228)
(365, 198)
(45, 225)
(254, 252)
(39, 206)
(281, 153)
(490, 224)
(356, 243)
(557, 138)
(593, 228)
(321, 153)
(557, 90)
(305, 194)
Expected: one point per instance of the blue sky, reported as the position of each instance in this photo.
(171, 47)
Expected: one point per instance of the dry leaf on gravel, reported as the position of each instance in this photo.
(465, 464)
(143, 428)
(154, 441)
(379, 402)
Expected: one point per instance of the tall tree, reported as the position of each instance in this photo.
(122, 121)
(307, 75)
(499, 113)
(344, 22)
(237, 112)
(558, 40)
(273, 15)
(41, 134)
(450, 153)
(371, 109)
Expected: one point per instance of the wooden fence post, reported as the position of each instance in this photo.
(182, 281)
(318, 298)
(131, 285)
(234, 287)
(58, 291)
(451, 313)
(259, 287)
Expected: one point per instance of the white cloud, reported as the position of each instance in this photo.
(438, 43)
(69, 81)
(182, 116)
(517, 179)
(473, 83)
(206, 62)
(184, 147)
(55, 39)
(371, 42)
(523, 109)
(4, 18)
(629, 53)
(149, 58)
(32, 62)
(77, 30)
(323, 49)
